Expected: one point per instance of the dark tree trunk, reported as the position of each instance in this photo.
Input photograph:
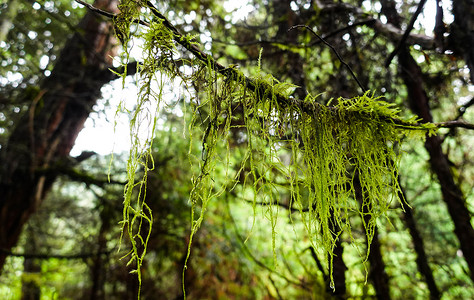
(288, 63)
(47, 133)
(439, 163)
(30, 289)
(418, 244)
(100, 261)
(377, 274)
(339, 269)
(338, 266)
(461, 38)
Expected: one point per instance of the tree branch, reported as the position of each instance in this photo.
(96, 10)
(392, 32)
(462, 110)
(318, 263)
(369, 22)
(455, 124)
(77, 175)
(387, 30)
(260, 88)
(334, 50)
(284, 205)
(402, 41)
(58, 256)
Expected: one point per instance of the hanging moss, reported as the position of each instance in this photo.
(326, 146)
(151, 77)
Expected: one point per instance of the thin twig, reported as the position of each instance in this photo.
(260, 88)
(318, 263)
(275, 287)
(298, 45)
(334, 50)
(284, 205)
(368, 22)
(461, 111)
(108, 14)
(455, 124)
(96, 10)
(406, 34)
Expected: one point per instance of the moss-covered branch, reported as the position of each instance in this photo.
(260, 87)
(324, 145)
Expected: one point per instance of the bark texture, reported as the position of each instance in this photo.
(46, 134)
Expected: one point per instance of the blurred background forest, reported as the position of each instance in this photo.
(60, 213)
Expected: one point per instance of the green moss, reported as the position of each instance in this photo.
(317, 150)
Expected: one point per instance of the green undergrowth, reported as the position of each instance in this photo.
(313, 153)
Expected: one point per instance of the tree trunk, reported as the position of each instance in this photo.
(98, 265)
(439, 163)
(377, 273)
(30, 289)
(461, 39)
(100, 262)
(56, 115)
(338, 268)
(418, 244)
(287, 63)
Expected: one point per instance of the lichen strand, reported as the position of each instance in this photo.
(152, 75)
(337, 144)
(329, 146)
(299, 148)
